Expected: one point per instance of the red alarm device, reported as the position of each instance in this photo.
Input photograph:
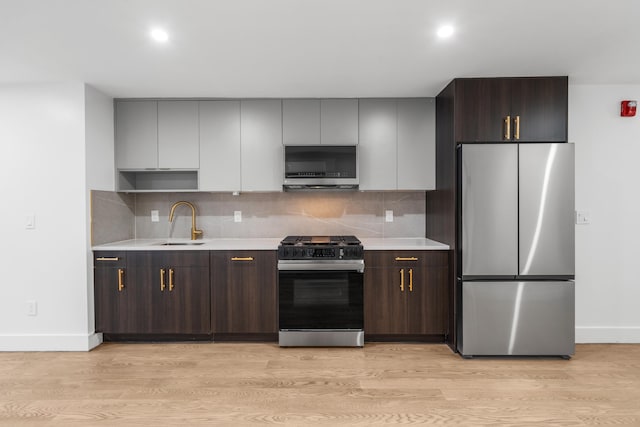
(628, 108)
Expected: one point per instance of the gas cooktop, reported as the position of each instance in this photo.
(320, 240)
(320, 247)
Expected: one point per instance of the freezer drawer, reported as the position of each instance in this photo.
(532, 318)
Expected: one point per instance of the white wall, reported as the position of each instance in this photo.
(42, 167)
(100, 175)
(607, 181)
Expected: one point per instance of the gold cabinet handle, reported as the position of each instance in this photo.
(238, 258)
(107, 258)
(411, 258)
(507, 128)
(162, 285)
(170, 279)
(411, 280)
(120, 279)
(402, 280)
(517, 133)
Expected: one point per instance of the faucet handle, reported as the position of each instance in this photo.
(195, 233)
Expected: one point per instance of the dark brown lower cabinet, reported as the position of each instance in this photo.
(116, 302)
(243, 295)
(164, 293)
(405, 295)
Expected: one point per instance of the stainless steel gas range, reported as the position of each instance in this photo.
(320, 290)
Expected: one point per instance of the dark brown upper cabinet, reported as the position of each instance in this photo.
(512, 109)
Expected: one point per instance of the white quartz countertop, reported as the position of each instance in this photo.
(369, 243)
(186, 244)
(401, 243)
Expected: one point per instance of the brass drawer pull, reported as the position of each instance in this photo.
(402, 280)
(120, 279)
(105, 258)
(162, 285)
(507, 128)
(412, 258)
(517, 134)
(411, 280)
(237, 258)
(171, 286)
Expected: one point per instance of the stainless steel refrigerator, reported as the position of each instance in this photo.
(516, 228)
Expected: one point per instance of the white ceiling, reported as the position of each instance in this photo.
(313, 48)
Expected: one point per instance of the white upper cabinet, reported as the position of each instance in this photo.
(136, 134)
(339, 121)
(157, 134)
(416, 144)
(378, 144)
(220, 145)
(320, 121)
(261, 147)
(178, 135)
(397, 144)
(301, 121)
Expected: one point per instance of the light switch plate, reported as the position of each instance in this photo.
(30, 222)
(388, 216)
(237, 216)
(155, 216)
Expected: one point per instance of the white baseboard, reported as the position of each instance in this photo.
(69, 342)
(613, 334)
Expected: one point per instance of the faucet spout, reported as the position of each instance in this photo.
(194, 231)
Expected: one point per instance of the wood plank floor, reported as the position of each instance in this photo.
(236, 384)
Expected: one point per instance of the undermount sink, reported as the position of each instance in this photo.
(181, 243)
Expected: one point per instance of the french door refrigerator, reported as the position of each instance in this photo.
(516, 243)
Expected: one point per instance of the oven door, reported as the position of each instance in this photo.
(321, 307)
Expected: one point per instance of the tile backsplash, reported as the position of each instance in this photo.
(278, 214)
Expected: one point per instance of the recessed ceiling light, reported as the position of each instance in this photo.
(159, 35)
(445, 31)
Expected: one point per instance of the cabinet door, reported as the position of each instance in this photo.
(219, 146)
(339, 121)
(427, 306)
(178, 301)
(136, 134)
(541, 105)
(481, 107)
(244, 292)
(261, 145)
(301, 122)
(116, 297)
(416, 144)
(184, 307)
(378, 144)
(178, 137)
(385, 311)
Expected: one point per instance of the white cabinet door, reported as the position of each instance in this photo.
(219, 146)
(339, 121)
(136, 134)
(416, 144)
(261, 149)
(178, 139)
(377, 149)
(301, 121)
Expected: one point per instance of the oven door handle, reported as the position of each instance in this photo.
(356, 265)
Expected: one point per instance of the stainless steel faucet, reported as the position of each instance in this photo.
(194, 231)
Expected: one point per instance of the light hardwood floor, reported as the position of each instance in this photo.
(243, 384)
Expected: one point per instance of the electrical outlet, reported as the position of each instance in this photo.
(237, 216)
(32, 308)
(388, 216)
(155, 216)
(583, 217)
